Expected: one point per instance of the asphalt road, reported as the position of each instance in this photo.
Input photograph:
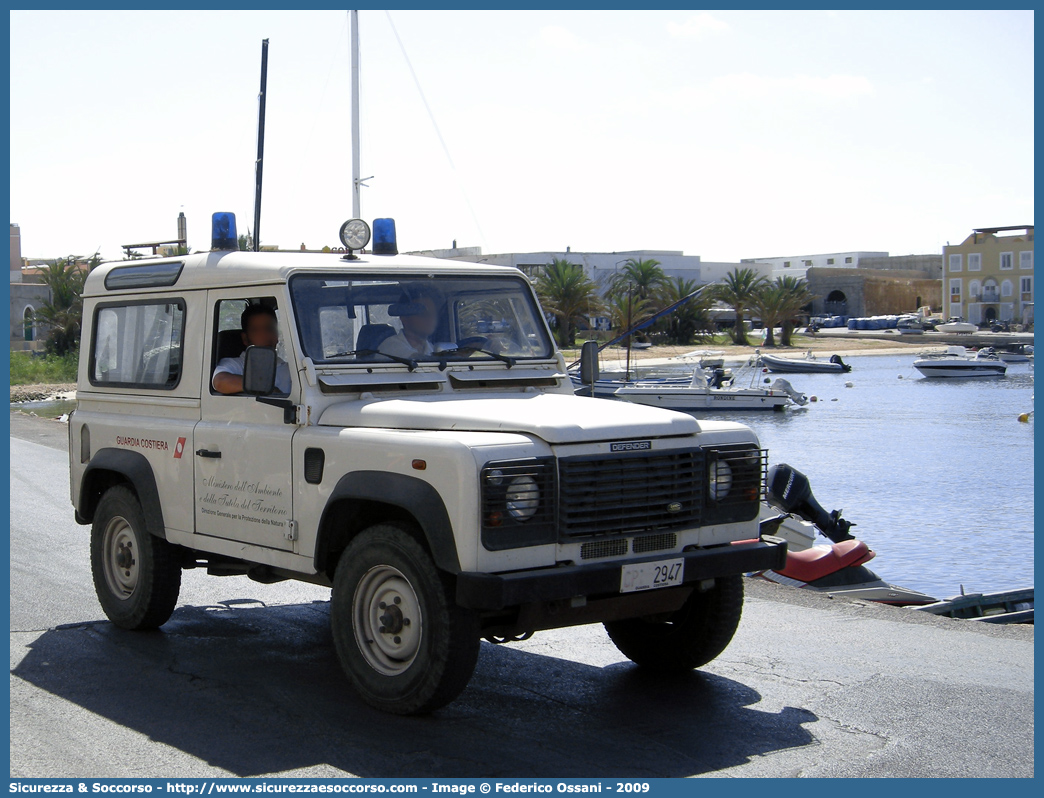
(243, 681)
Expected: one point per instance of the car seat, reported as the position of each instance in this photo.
(371, 336)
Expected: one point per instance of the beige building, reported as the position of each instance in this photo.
(989, 276)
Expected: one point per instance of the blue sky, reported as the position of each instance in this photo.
(723, 134)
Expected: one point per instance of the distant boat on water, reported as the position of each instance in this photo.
(808, 364)
(954, 361)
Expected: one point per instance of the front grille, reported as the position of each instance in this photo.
(662, 542)
(632, 493)
(603, 548)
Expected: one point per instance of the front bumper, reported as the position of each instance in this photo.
(479, 591)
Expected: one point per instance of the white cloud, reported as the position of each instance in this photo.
(555, 37)
(699, 27)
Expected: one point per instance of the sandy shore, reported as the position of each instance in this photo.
(823, 346)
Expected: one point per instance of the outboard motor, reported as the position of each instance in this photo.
(845, 368)
(796, 396)
(788, 489)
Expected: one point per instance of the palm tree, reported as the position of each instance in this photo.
(682, 323)
(569, 295)
(626, 311)
(766, 302)
(737, 291)
(794, 296)
(63, 312)
(644, 278)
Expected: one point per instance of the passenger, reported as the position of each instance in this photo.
(259, 328)
(414, 340)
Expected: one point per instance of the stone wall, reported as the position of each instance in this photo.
(24, 295)
(873, 292)
(929, 265)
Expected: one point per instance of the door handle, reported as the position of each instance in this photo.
(207, 453)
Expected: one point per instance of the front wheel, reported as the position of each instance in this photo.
(137, 576)
(691, 637)
(400, 637)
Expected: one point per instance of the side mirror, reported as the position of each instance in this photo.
(589, 363)
(259, 371)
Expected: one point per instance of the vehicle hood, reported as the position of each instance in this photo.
(555, 418)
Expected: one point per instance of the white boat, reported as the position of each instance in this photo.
(707, 391)
(809, 364)
(1017, 353)
(956, 327)
(954, 361)
(606, 387)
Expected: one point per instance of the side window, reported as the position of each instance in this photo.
(138, 345)
(228, 345)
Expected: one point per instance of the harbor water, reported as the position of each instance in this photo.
(937, 473)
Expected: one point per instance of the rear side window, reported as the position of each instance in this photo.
(138, 345)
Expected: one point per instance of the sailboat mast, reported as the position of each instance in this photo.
(627, 375)
(356, 182)
(260, 162)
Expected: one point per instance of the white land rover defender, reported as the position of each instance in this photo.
(456, 493)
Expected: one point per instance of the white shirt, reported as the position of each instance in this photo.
(234, 365)
(398, 345)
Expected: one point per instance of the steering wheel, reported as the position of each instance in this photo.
(475, 343)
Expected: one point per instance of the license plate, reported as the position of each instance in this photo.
(651, 575)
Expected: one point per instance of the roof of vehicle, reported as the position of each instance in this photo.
(234, 268)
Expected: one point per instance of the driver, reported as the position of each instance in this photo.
(260, 328)
(414, 340)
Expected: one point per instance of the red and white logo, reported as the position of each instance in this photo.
(179, 448)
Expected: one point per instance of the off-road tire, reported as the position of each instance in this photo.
(137, 576)
(691, 637)
(386, 580)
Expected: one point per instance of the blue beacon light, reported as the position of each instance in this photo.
(223, 231)
(384, 237)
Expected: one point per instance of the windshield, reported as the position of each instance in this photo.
(415, 319)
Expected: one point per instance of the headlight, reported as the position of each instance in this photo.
(719, 476)
(518, 503)
(523, 498)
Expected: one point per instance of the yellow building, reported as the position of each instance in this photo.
(989, 277)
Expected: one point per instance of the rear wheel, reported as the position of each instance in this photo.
(690, 637)
(400, 637)
(137, 576)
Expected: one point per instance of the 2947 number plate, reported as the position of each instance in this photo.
(651, 575)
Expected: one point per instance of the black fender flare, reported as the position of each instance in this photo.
(415, 496)
(135, 468)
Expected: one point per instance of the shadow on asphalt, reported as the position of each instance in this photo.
(256, 690)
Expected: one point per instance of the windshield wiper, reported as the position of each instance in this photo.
(412, 364)
(443, 362)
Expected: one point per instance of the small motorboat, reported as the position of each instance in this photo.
(1009, 606)
(956, 327)
(955, 361)
(838, 569)
(712, 388)
(808, 364)
(607, 386)
(1017, 353)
